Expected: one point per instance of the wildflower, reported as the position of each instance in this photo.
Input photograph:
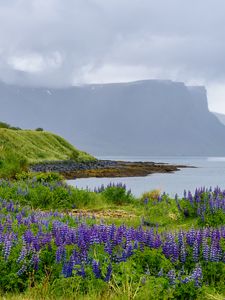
(108, 273)
(96, 269)
(172, 277)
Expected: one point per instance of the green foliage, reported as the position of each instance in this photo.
(161, 213)
(151, 195)
(11, 163)
(77, 288)
(50, 195)
(186, 291)
(155, 288)
(39, 129)
(117, 195)
(40, 177)
(7, 126)
(215, 274)
(213, 219)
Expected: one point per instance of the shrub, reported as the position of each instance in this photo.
(117, 195)
(7, 126)
(151, 195)
(40, 177)
(11, 165)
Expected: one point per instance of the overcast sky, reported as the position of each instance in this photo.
(69, 42)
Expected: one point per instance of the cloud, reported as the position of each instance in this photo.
(34, 63)
(59, 43)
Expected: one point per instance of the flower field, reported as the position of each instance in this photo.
(100, 259)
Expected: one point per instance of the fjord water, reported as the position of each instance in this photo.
(209, 172)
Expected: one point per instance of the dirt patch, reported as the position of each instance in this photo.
(103, 213)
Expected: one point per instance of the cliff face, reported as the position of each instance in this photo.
(220, 117)
(149, 117)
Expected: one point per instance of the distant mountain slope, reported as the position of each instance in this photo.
(221, 117)
(149, 117)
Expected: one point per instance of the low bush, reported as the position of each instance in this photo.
(117, 195)
(40, 177)
(151, 195)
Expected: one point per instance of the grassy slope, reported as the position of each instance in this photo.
(37, 146)
(18, 147)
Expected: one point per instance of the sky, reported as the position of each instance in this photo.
(58, 43)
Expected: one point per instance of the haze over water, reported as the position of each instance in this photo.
(209, 171)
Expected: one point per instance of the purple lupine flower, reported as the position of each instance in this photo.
(96, 269)
(81, 272)
(196, 251)
(67, 270)
(197, 276)
(175, 252)
(215, 253)
(190, 237)
(60, 254)
(160, 274)
(150, 238)
(8, 223)
(22, 255)
(170, 248)
(22, 270)
(108, 248)
(205, 250)
(28, 236)
(36, 244)
(157, 241)
(172, 277)
(182, 247)
(183, 253)
(129, 251)
(35, 261)
(7, 248)
(159, 198)
(186, 279)
(146, 200)
(190, 198)
(177, 202)
(108, 273)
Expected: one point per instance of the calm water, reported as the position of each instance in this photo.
(210, 171)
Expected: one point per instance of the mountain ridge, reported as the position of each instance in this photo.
(147, 117)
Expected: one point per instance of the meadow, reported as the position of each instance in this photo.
(58, 242)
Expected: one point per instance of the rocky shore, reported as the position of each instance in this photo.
(104, 168)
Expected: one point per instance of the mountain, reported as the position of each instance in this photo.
(150, 117)
(221, 117)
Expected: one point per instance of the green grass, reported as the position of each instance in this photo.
(18, 148)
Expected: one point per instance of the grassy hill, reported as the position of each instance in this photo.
(18, 148)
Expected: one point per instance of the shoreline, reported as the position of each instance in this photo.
(105, 168)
